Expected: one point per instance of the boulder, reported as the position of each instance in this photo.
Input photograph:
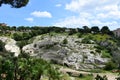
(10, 45)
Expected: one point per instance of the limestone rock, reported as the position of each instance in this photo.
(10, 45)
(73, 54)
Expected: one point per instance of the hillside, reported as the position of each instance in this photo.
(78, 50)
(67, 50)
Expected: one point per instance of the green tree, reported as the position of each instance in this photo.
(15, 3)
(17, 36)
(25, 67)
(26, 36)
(13, 28)
(22, 43)
(105, 30)
(86, 29)
(95, 29)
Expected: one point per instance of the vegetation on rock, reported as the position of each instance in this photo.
(86, 46)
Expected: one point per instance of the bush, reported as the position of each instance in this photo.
(2, 46)
(99, 47)
(105, 54)
(17, 36)
(92, 52)
(81, 76)
(79, 35)
(86, 41)
(97, 50)
(65, 41)
(22, 43)
(110, 66)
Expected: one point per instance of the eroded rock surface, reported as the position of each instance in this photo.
(10, 45)
(73, 54)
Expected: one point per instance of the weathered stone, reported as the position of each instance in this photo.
(72, 54)
(10, 45)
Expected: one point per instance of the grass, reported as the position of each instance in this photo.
(105, 54)
(65, 77)
(88, 77)
(96, 37)
(54, 33)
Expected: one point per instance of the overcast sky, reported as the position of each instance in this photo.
(64, 13)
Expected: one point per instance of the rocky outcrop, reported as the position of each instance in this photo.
(10, 45)
(74, 54)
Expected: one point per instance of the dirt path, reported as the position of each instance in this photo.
(110, 76)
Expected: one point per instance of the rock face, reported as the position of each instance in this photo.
(10, 45)
(74, 54)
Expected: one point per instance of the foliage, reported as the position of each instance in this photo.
(95, 29)
(86, 41)
(96, 71)
(2, 46)
(21, 36)
(100, 37)
(26, 68)
(17, 36)
(22, 43)
(15, 3)
(85, 77)
(79, 35)
(105, 30)
(65, 41)
(105, 54)
(110, 65)
(86, 29)
(71, 31)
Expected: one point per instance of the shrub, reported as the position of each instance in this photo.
(2, 46)
(65, 41)
(105, 54)
(86, 41)
(97, 50)
(81, 75)
(22, 43)
(99, 47)
(92, 52)
(79, 35)
(110, 65)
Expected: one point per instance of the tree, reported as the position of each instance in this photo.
(17, 36)
(95, 29)
(25, 67)
(105, 30)
(86, 29)
(26, 36)
(22, 43)
(15, 3)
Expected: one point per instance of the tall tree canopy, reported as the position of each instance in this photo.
(95, 29)
(105, 30)
(15, 3)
